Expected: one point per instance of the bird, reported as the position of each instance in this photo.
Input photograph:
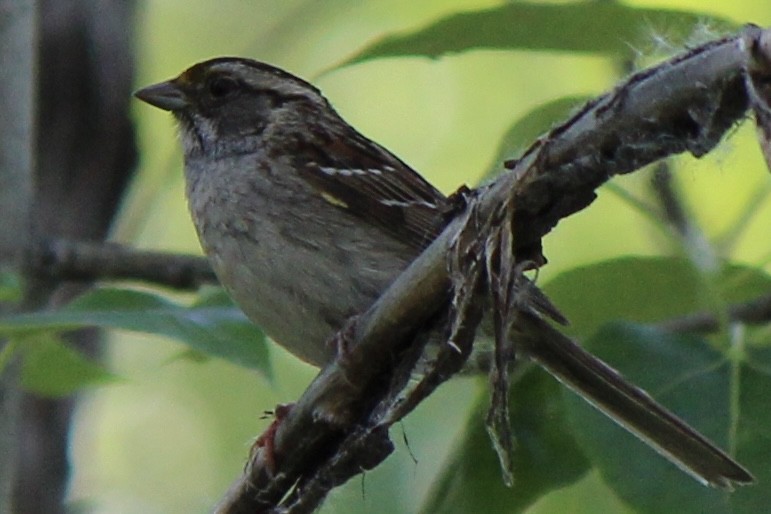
(306, 221)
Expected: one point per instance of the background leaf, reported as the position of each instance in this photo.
(695, 381)
(546, 455)
(10, 287)
(754, 436)
(213, 325)
(51, 368)
(608, 28)
(527, 129)
(645, 289)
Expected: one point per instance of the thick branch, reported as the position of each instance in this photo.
(685, 104)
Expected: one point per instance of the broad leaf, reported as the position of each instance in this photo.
(533, 124)
(213, 326)
(608, 28)
(722, 398)
(546, 455)
(645, 289)
(52, 368)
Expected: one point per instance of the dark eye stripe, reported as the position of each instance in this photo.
(221, 87)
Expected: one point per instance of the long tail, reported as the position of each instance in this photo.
(627, 405)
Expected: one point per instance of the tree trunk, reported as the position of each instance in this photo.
(85, 151)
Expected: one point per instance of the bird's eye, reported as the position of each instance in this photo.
(221, 87)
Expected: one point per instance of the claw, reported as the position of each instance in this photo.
(267, 440)
(341, 340)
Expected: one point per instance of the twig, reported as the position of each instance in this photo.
(690, 235)
(755, 312)
(62, 259)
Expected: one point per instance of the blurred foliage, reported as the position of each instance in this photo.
(52, 368)
(526, 129)
(211, 325)
(546, 455)
(608, 28)
(507, 73)
(647, 290)
(714, 391)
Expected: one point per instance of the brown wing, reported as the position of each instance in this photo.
(373, 184)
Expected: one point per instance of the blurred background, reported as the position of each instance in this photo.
(174, 433)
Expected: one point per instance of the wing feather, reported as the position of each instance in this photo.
(375, 185)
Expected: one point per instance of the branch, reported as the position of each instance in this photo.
(684, 104)
(755, 312)
(63, 259)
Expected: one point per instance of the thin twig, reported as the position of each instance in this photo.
(675, 212)
(755, 312)
(66, 260)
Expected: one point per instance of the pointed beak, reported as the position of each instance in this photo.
(165, 95)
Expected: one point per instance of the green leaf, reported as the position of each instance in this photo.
(608, 28)
(51, 368)
(526, 129)
(546, 457)
(10, 287)
(213, 326)
(7, 351)
(698, 383)
(645, 289)
(754, 434)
